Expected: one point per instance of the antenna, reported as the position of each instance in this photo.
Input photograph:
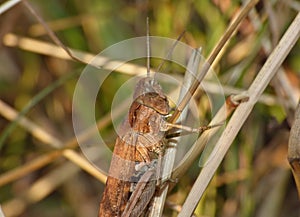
(148, 49)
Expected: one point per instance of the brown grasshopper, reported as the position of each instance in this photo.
(140, 144)
(141, 141)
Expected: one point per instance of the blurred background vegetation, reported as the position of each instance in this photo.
(254, 179)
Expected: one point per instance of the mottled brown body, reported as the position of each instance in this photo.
(140, 140)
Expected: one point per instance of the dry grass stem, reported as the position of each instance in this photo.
(168, 164)
(45, 48)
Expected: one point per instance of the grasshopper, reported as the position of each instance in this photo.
(142, 141)
(139, 148)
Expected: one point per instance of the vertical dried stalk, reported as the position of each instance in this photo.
(159, 201)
